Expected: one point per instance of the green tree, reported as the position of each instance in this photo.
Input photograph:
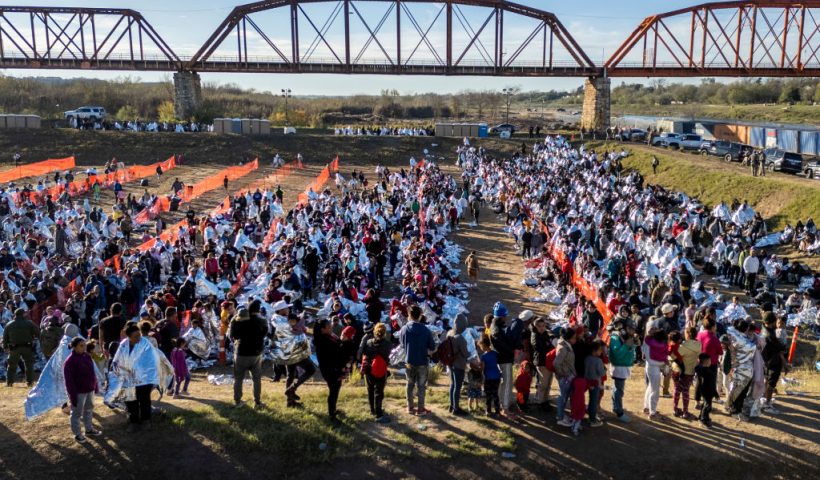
(126, 113)
(789, 94)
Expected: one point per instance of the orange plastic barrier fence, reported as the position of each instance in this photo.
(584, 287)
(317, 184)
(80, 187)
(35, 169)
(213, 182)
(138, 172)
(275, 178)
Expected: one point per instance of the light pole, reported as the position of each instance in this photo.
(286, 95)
(508, 92)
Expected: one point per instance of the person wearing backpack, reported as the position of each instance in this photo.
(456, 361)
(375, 355)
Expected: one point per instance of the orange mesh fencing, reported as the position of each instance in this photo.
(81, 187)
(138, 172)
(317, 184)
(163, 204)
(270, 181)
(215, 181)
(584, 287)
(38, 168)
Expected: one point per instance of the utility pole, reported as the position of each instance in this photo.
(286, 93)
(508, 92)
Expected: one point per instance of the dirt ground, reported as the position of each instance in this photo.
(203, 437)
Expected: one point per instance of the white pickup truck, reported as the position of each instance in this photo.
(86, 113)
(687, 141)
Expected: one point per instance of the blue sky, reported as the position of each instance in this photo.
(598, 26)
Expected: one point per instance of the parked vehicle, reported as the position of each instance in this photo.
(812, 169)
(728, 151)
(561, 110)
(86, 113)
(631, 135)
(688, 141)
(782, 161)
(664, 138)
(504, 127)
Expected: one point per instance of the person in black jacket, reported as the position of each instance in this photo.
(505, 353)
(329, 353)
(377, 346)
(248, 334)
(541, 341)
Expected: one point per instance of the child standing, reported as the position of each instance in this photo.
(80, 385)
(707, 386)
(492, 376)
(594, 371)
(181, 373)
(522, 385)
(475, 380)
(685, 358)
(96, 355)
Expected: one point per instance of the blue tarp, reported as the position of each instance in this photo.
(757, 136)
(787, 140)
(809, 143)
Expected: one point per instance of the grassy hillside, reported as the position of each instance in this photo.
(779, 198)
(807, 114)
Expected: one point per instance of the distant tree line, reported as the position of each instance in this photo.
(709, 91)
(129, 98)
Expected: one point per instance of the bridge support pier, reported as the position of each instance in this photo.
(595, 115)
(187, 93)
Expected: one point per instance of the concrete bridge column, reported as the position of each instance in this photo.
(595, 115)
(187, 93)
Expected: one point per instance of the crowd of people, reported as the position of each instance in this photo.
(619, 257)
(309, 288)
(138, 125)
(375, 130)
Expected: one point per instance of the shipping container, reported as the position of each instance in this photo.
(771, 138)
(732, 133)
(757, 137)
(705, 130)
(809, 142)
(787, 140)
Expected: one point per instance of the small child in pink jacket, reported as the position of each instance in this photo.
(181, 373)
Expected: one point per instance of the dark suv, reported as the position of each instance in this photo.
(728, 151)
(783, 161)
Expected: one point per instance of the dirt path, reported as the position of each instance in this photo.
(501, 268)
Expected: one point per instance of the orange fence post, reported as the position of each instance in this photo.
(793, 346)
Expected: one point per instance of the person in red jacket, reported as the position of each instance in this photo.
(212, 267)
(80, 385)
(522, 385)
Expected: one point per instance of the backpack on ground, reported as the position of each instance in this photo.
(447, 352)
